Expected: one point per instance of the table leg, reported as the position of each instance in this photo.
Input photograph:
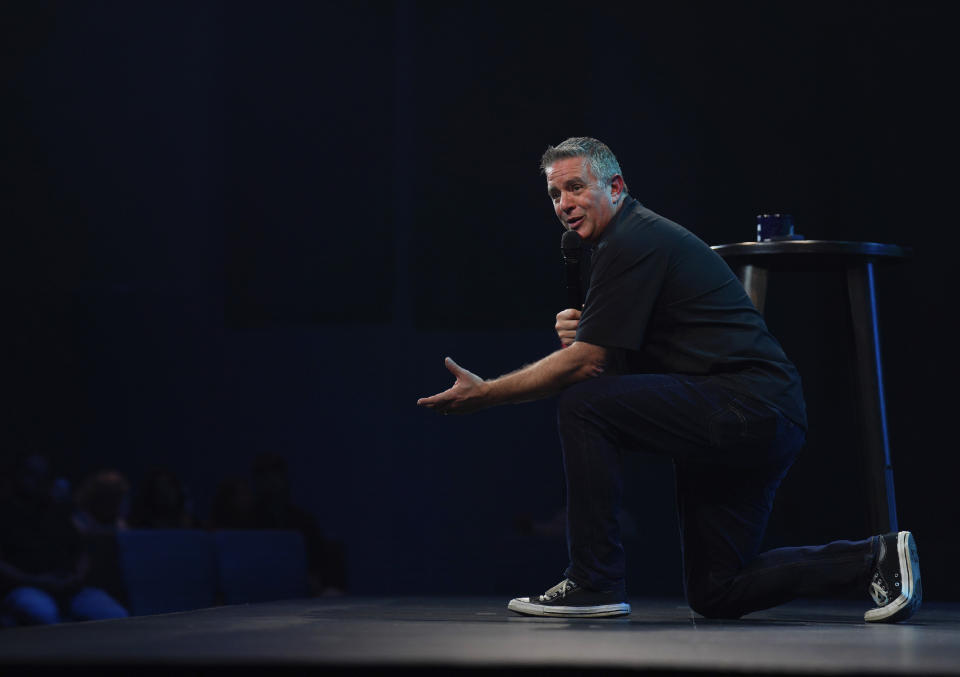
(873, 411)
(754, 280)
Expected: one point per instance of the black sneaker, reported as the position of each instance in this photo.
(895, 585)
(568, 599)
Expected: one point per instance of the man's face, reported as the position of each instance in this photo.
(581, 203)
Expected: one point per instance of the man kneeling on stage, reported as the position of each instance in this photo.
(669, 356)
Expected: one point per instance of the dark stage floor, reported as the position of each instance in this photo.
(480, 635)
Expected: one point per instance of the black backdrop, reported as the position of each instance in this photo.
(259, 226)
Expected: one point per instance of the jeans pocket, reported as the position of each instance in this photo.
(737, 425)
(727, 425)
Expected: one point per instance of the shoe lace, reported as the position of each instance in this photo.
(879, 590)
(559, 590)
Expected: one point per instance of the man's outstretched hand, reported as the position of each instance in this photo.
(465, 396)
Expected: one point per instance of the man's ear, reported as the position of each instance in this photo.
(616, 187)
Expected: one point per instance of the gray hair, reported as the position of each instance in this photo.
(603, 163)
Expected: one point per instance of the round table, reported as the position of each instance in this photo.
(753, 261)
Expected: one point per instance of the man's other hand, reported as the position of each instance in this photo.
(464, 397)
(567, 321)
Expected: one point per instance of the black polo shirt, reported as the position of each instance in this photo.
(662, 301)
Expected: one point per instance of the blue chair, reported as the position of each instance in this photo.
(260, 565)
(167, 570)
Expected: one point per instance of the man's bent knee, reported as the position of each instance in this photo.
(715, 603)
(716, 610)
(574, 401)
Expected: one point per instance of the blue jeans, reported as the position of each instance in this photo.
(730, 454)
(33, 606)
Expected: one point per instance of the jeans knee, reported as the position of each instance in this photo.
(94, 604)
(713, 603)
(31, 606)
(715, 610)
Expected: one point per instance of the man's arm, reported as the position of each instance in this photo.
(577, 362)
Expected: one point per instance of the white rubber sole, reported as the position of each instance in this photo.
(522, 606)
(911, 593)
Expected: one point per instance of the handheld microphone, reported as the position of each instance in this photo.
(571, 244)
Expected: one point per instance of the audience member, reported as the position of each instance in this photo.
(102, 508)
(232, 505)
(102, 502)
(44, 562)
(160, 502)
(274, 509)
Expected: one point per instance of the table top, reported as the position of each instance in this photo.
(810, 253)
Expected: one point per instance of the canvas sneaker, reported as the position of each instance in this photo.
(569, 600)
(895, 584)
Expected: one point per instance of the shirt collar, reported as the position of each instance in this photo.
(628, 204)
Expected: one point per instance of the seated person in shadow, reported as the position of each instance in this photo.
(274, 509)
(102, 502)
(44, 562)
(102, 507)
(160, 502)
(232, 505)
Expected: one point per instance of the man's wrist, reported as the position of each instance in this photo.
(487, 395)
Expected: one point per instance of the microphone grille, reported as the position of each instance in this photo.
(571, 240)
